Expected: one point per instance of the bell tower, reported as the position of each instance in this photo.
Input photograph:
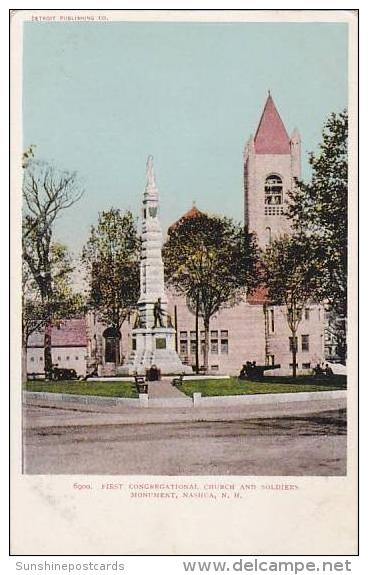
(271, 162)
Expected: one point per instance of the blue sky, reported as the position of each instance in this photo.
(98, 98)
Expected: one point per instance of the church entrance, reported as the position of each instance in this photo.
(112, 338)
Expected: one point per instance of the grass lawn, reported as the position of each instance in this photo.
(235, 386)
(75, 387)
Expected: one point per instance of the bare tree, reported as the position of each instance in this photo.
(47, 191)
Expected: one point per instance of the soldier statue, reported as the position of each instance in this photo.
(158, 314)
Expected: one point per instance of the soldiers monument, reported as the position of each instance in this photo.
(153, 335)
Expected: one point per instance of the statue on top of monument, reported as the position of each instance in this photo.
(149, 172)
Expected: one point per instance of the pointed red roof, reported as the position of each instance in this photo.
(194, 212)
(271, 136)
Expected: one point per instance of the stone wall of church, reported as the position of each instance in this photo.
(243, 333)
(310, 339)
(236, 336)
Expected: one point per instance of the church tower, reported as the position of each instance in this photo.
(271, 162)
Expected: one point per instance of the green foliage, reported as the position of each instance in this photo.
(111, 258)
(75, 387)
(212, 261)
(234, 386)
(212, 258)
(320, 209)
(292, 273)
(28, 155)
(62, 301)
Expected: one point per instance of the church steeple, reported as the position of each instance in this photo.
(271, 136)
(271, 162)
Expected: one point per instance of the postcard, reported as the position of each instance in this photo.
(184, 282)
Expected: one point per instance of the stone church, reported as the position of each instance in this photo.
(252, 330)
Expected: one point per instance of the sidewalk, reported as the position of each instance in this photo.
(42, 413)
(163, 394)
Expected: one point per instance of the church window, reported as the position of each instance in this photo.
(224, 333)
(273, 191)
(272, 320)
(214, 333)
(192, 347)
(305, 342)
(225, 346)
(183, 347)
(268, 235)
(193, 335)
(214, 346)
(183, 335)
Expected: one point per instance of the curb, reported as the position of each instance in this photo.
(267, 398)
(198, 401)
(86, 399)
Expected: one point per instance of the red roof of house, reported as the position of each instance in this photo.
(271, 136)
(258, 296)
(70, 333)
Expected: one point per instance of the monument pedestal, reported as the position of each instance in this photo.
(156, 347)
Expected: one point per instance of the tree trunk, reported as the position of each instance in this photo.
(47, 351)
(294, 352)
(117, 351)
(176, 328)
(206, 344)
(24, 361)
(266, 332)
(197, 338)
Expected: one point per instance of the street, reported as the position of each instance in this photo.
(291, 444)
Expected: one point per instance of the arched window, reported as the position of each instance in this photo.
(273, 190)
